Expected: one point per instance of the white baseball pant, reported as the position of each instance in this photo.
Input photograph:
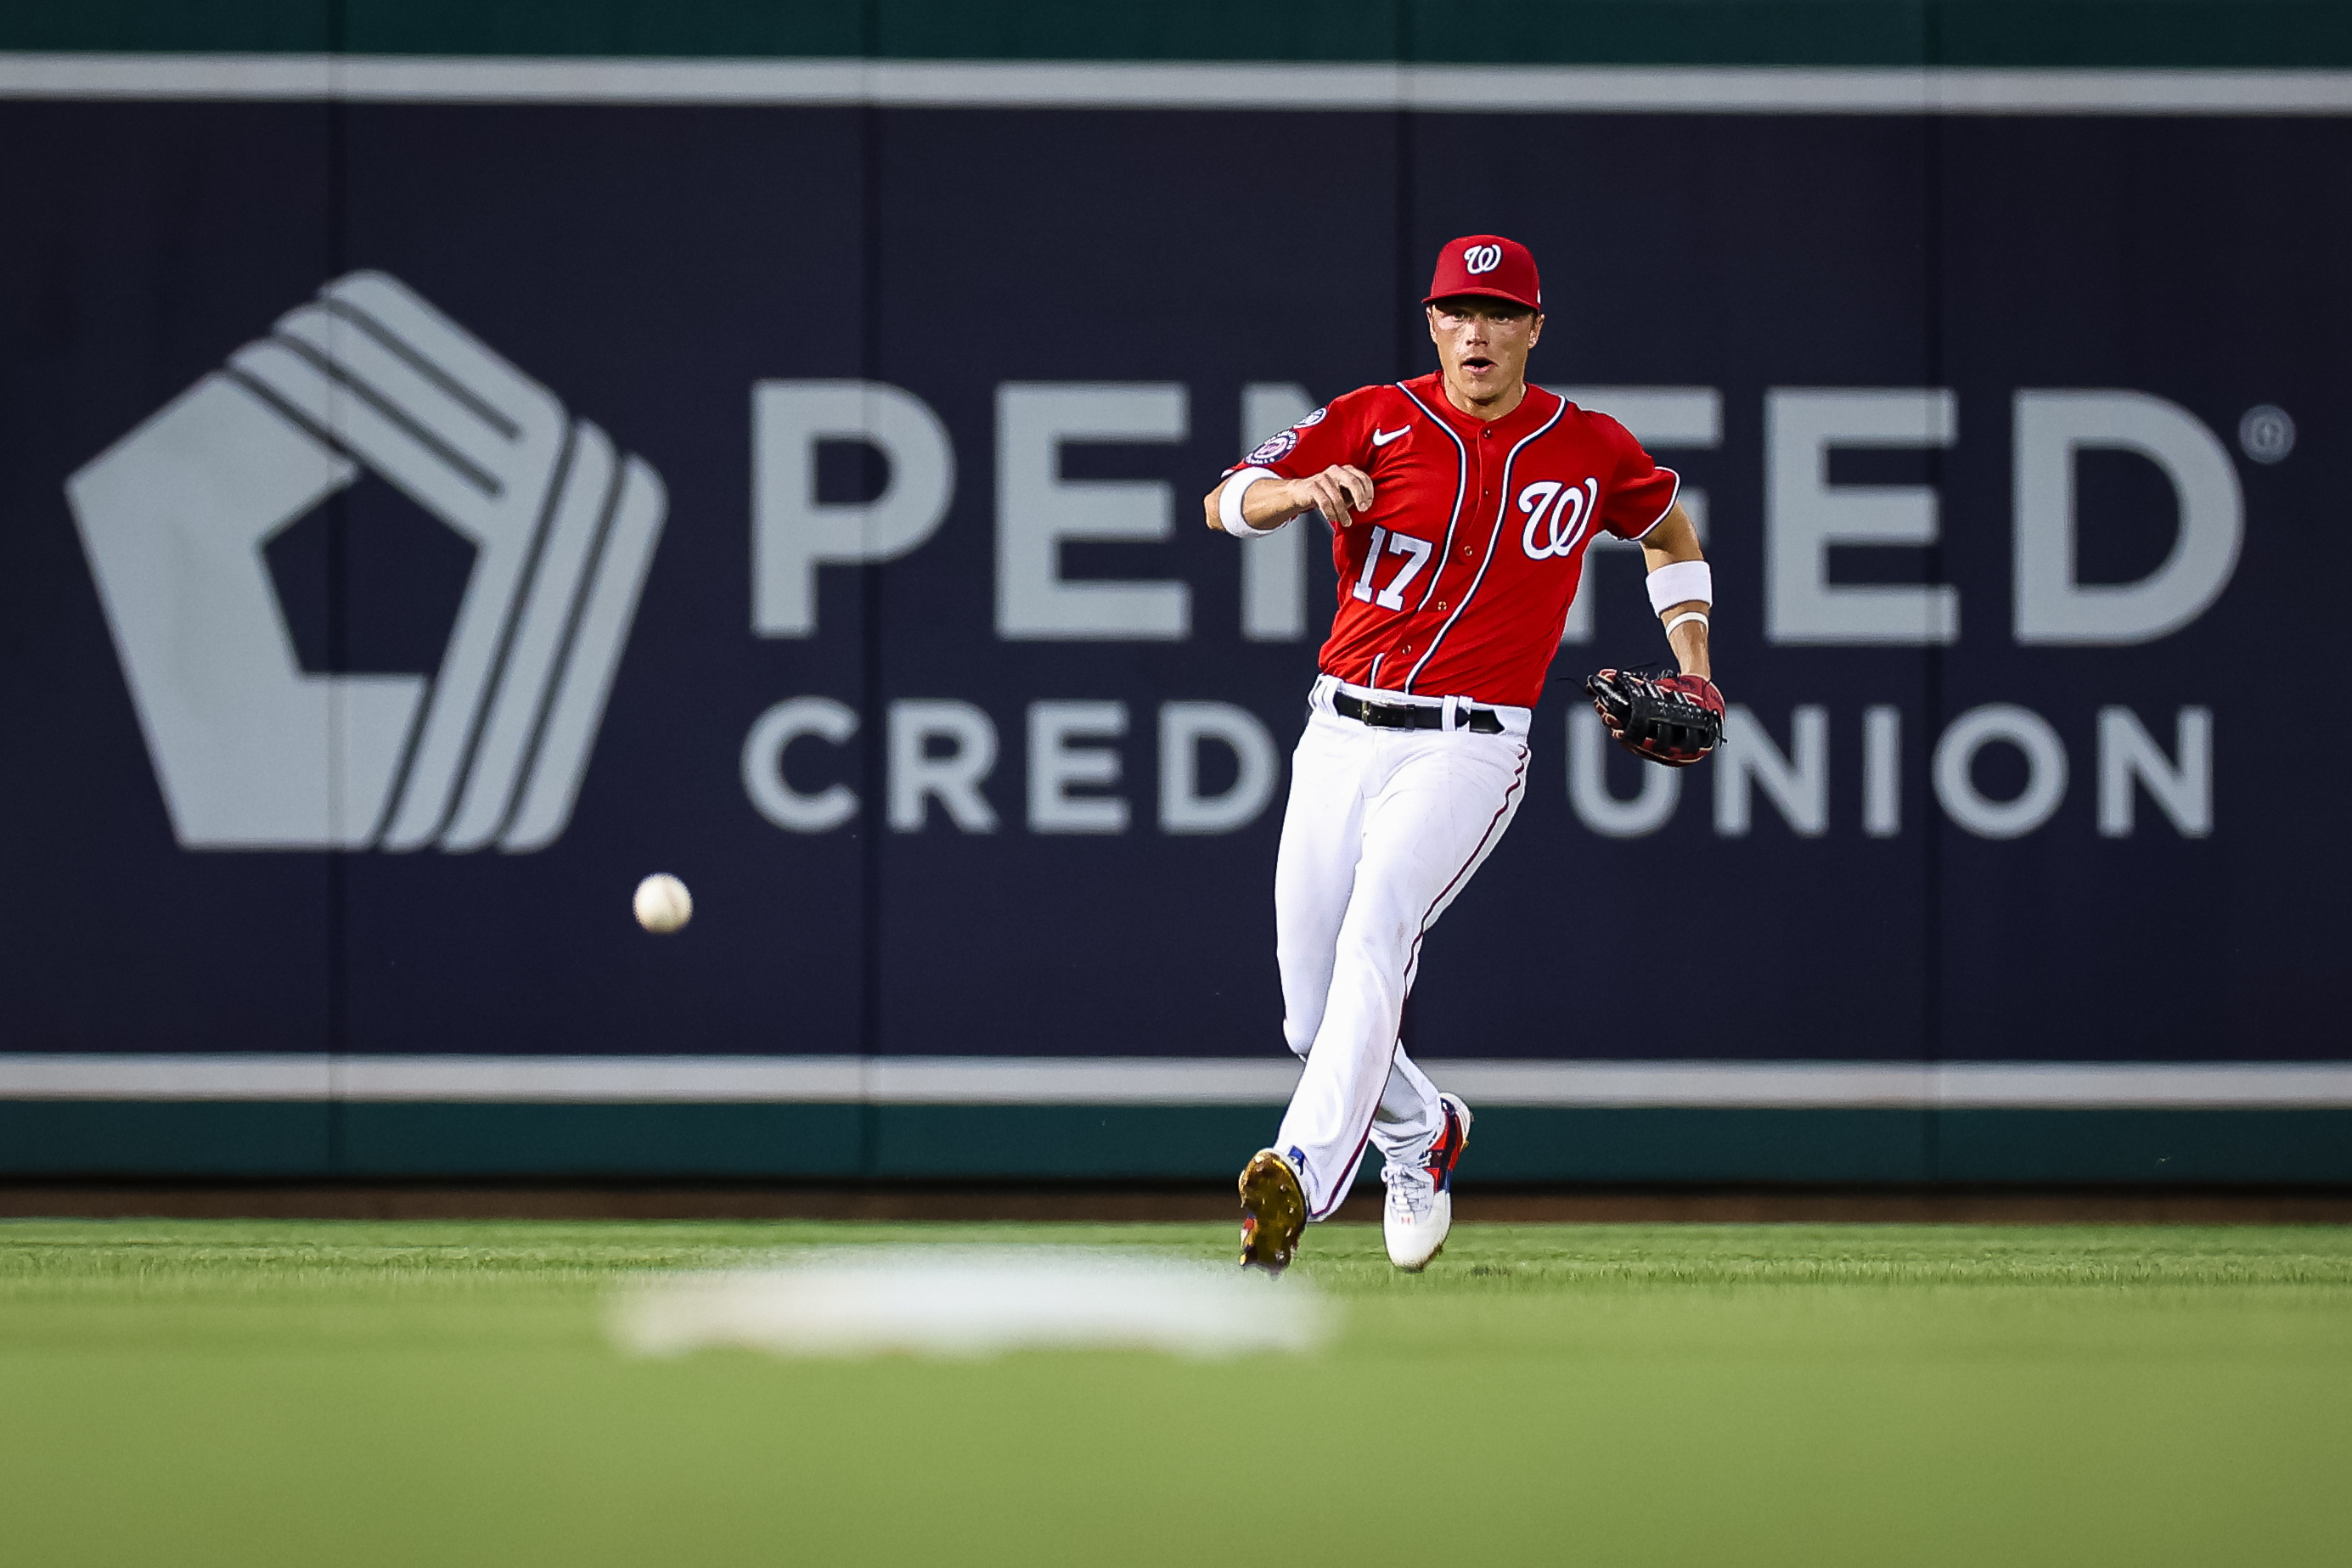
(1384, 829)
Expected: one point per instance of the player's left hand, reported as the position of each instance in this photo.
(1674, 720)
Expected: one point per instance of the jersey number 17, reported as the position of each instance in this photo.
(1393, 596)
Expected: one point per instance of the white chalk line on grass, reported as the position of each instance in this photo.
(965, 1302)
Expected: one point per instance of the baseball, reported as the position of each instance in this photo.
(663, 903)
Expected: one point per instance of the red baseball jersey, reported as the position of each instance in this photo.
(1456, 581)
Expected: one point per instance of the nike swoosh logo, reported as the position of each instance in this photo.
(1383, 437)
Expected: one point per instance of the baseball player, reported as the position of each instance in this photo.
(1460, 505)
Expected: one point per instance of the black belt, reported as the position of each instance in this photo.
(1412, 715)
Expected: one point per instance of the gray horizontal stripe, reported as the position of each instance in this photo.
(487, 1078)
(917, 84)
(1180, 1080)
(1786, 1085)
(1949, 1086)
(1086, 1080)
(165, 1078)
(2150, 1086)
(813, 1079)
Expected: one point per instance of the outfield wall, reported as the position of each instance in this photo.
(455, 465)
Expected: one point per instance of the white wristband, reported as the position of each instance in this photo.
(1685, 617)
(1679, 581)
(1229, 504)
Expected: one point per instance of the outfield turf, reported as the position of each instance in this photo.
(185, 1393)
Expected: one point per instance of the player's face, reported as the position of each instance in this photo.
(1481, 345)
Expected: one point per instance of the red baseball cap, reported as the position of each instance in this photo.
(1489, 265)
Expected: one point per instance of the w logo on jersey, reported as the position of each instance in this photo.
(1558, 516)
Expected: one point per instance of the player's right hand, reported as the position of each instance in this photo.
(1337, 493)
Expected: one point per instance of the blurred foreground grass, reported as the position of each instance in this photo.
(243, 1393)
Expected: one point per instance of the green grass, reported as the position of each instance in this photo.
(191, 1393)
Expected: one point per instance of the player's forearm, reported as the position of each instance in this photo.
(1268, 501)
(1267, 504)
(1673, 543)
(1688, 641)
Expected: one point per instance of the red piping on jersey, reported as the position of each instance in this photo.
(1493, 538)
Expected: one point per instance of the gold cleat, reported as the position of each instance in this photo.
(1273, 1212)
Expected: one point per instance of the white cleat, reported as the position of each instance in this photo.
(1415, 1218)
(1420, 1208)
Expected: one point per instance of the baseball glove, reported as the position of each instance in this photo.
(1672, 719)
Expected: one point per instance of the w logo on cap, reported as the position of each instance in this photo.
(1489, 265)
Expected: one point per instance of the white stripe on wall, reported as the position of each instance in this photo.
(648, 1079)
(165, 1078)
(1085, 1081)
(1164, 1081)
(1013, 84)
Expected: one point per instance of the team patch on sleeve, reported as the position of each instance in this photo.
(1273, 449)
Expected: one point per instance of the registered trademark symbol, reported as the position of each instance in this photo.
(2266, 432)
